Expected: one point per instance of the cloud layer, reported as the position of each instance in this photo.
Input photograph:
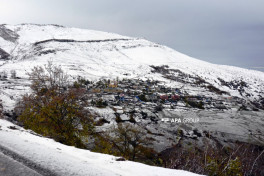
(222, 32)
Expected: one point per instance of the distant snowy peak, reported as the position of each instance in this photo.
(95, 55)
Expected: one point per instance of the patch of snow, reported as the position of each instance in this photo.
(66, 160)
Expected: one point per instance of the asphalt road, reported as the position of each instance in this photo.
(13, 164)
(10, 167)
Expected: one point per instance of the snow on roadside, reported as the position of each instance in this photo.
(66, 160)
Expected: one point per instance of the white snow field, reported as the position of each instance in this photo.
(66, 160)
(96, 55)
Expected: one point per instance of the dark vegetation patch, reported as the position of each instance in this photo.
(215, 160)
(45, 52)
(195, 104)
(78, 41)
(101, 122)
(3, 55)
(128, 141)
(179, 76)
(216, 90)
(239, 85)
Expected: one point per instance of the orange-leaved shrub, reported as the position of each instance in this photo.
(54, 108)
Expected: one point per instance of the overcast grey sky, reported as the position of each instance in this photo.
(229, 32)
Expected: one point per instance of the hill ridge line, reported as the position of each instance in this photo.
(81, 41)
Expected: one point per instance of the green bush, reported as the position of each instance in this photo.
(212, 167)
(54, 110)
(233, 168)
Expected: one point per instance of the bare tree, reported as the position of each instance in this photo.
(49, 77)
(130, 140)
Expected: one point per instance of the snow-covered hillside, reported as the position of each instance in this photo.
(232, 97)
(95, 55)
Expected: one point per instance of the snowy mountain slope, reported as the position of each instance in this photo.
(96, 55)
(66, 160)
